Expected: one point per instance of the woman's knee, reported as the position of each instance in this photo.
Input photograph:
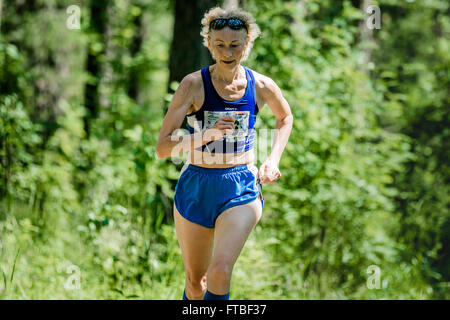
(220, 272)
(195, 279)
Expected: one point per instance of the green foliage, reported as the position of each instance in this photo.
(364, 175)
(416, 84)
(338, 165)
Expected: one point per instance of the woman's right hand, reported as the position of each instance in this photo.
(222, 126)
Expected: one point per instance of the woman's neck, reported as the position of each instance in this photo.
(227, 76)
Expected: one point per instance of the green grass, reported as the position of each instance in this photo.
(44, 263)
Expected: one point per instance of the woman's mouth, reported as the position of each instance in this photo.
(228, 62)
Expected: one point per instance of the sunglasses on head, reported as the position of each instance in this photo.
(233, 23)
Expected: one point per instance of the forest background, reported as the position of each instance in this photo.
(362, 208)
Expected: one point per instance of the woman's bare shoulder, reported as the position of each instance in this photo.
(262, 82)
(197, 91)
(193, 79)
(263, 85)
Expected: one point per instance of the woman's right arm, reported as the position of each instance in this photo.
(169, 143)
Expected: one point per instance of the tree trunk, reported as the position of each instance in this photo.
(1, 2)
(187, 53)
(98, 23)
(234, 3)
(136, 46)
(366, 37)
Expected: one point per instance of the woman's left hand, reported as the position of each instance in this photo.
(269, 172)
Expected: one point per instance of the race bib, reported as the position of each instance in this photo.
(241, 122)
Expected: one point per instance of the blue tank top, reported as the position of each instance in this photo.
(214, 107)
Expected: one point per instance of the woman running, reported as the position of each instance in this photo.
(218, 198)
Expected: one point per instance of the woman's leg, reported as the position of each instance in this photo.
(196, 243)
(232, 227)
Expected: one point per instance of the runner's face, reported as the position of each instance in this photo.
(228, 45)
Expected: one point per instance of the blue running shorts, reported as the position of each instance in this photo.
(202, 194)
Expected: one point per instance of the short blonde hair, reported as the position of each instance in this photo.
(253, 30)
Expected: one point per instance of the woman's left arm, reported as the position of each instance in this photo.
(271, 93)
